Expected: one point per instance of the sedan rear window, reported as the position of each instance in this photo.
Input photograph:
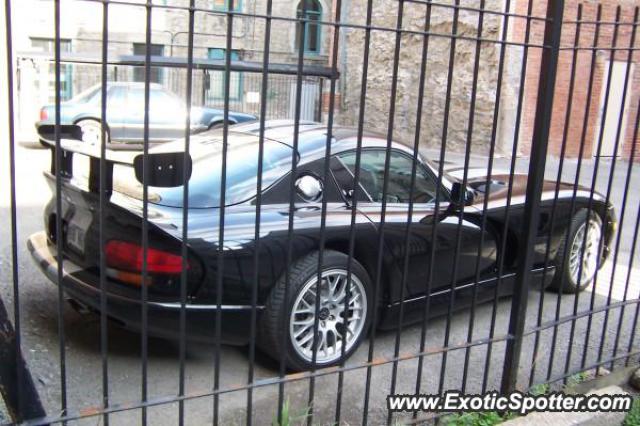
(206, 177)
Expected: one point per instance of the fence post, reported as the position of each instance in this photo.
(16, 385)
(540, 140)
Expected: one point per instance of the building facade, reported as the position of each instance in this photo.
(602, 63)
(473, 117)
(81, 40)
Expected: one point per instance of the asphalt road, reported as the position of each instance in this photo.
(38, 308)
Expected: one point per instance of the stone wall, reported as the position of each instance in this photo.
(581, 132)
(381, 61)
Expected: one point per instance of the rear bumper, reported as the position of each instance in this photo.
(163, 318)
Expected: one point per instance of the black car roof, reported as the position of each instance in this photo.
(311, 143)
(312, 136)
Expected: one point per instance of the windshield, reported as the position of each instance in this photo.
(204, 185)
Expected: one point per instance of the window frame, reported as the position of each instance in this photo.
(300, 15)
(138, 71)
(66, 69)
(240, 90)
(237, 6)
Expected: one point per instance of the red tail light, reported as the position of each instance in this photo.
(126, 256)
(43, 114)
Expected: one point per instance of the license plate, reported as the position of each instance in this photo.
(76, 232)
(75, 238)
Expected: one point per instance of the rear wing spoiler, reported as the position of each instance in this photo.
(166, 169)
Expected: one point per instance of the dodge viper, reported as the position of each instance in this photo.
(321, 310)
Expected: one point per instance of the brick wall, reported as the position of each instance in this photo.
(583, 126)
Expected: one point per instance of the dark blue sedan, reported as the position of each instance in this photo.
(125, 114)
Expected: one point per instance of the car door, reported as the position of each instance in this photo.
(116, 112)
(134, 108)
(167, 115)
(425, 234)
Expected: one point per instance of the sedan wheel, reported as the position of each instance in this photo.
(92, 132)
(335, 328)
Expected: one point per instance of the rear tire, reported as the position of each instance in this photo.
(568, 270)
(92, 132)
(292, 320)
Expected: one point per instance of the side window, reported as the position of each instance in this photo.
(158, 98)
(135, 98)
(399, 180)
(116, 96)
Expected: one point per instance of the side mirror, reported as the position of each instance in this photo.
(461, 196)
(309, 188)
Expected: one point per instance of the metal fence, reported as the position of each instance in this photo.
(447, 263)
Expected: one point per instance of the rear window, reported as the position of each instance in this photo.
(206, 176)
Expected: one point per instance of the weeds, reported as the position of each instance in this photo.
(288, 418)
(633, 416)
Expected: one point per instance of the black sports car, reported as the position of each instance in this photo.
(294, 315)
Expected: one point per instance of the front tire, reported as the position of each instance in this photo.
(576, 271)
(218, 125)
(292, 320)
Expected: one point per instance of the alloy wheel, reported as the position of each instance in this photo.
(583, 259)
(332, 332)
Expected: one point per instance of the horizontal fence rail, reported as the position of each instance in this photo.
(258, 212)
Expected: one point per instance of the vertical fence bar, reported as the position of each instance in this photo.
(6, 375)
(17, 387)
(102, 214)
(421, 86)
(594, 180)
(585, 123)
(414, 169)
(387, 161)
(185, 215)
(221, 224)
(507, 211)
(436, 212)
(443, 147)
(327, 161)
(321, 90)
(256, 261)
(428, 283)
(460, 212)
(146, 169)
(633, 244)
(636, 316)
(354, 203)
(59, 231)
(487, 185)
(617, 143)
(541, 130)
(552, 220)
